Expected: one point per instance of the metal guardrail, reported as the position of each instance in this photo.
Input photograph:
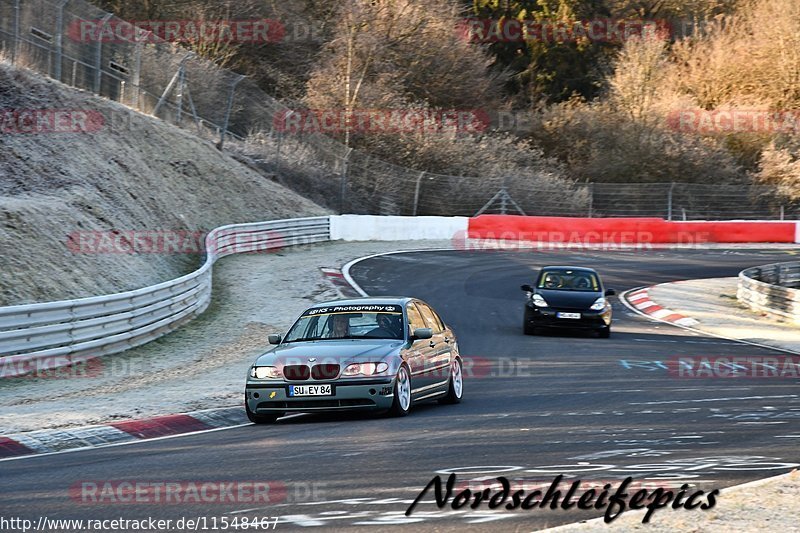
(773, 289)
(56, 334)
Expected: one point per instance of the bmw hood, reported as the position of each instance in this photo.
(330, 352)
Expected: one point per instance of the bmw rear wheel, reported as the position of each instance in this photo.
(456, 386)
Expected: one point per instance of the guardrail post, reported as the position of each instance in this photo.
(98, 60)
(279, 133)
(416, 193)
(15, 46)
(181, 89)
(343, 189)
(140, 36)
(59, 39)
(171, 84)
(669, 200)
(228, 111)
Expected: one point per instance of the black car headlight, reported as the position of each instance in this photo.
(598, 304)
(538, 300)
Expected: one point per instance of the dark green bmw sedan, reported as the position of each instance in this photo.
(364, 353)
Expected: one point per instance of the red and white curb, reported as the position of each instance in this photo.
(60, 440)
(640, 299)
(339, 282)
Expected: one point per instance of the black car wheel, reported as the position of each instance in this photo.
(456, 386)
(604, 333)
(401, 404)
(527, 327)
(261, 419)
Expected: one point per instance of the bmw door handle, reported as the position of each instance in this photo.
(447, 340)
(432, 344)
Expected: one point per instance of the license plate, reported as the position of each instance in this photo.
(574, 316)
(310, 390)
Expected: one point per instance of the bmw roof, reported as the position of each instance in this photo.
(368, 300)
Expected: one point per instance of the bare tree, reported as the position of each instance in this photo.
(638, 76)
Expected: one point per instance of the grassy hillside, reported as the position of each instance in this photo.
(133, 173)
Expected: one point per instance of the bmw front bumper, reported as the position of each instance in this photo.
(264, 398)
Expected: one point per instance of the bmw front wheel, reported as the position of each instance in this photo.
(402, 393)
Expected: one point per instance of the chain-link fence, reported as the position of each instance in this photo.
(85, 47)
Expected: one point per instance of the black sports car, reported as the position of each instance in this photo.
(568, 297)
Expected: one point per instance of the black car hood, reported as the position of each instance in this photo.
(571, 299)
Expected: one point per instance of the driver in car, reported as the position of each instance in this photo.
(339, 327)
(552, 282)
(386, 328)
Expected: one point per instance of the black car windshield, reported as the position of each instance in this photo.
(568, 280)
(348, 322)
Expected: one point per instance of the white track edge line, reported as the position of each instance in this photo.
(137, 441)
(346, 268)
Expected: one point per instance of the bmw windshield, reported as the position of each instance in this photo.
(348, 322)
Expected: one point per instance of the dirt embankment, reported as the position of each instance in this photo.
(129, 173)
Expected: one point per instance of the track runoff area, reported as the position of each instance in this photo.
(563, 413)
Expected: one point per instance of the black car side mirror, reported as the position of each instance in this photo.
(275, 338)
(422, 333)
(610, 292)
(527, 288)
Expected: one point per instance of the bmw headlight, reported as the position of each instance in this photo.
(538, 301)
(265, 372)
(598, 304)
(365, 369)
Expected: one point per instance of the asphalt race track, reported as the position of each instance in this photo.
(534, 407)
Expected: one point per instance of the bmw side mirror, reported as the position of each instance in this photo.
(275, 338)
(610, 292)
(527, 288)
(422, 333)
